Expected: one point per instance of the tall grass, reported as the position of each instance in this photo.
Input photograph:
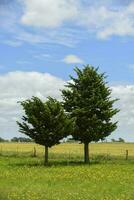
(69, 151)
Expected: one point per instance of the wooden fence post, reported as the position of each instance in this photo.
(34, 152)
(1, 150)
(126, 154)
(17, 151)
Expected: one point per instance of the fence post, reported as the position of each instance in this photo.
(68, 160)
(126, 154)
(17, 151)
(1, 150)
(34, 152)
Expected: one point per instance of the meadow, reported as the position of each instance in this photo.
(109, 176)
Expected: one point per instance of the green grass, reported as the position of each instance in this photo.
(106, 178)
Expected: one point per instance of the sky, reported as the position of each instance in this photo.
(42, 41)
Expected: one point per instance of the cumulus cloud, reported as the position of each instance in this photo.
(125, 117)
(64, 22)
(105, 18)
(48, 13)
(72, 59)
(14, 33)
(108, 21)
(17, 86)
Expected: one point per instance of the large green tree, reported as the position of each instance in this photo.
(45, 122)
(88, 99)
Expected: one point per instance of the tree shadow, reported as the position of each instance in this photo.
(53, 164)
(23, 161)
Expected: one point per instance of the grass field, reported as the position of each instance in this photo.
(108, 177)
(117, 149)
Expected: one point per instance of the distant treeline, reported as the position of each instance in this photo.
(17, 139)
(69, 140)
(119, 140)
(3, 140)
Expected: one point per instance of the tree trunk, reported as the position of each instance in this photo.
(86, 152)
(46, 155)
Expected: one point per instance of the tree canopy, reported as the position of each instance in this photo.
(88, 100)
(45, 122)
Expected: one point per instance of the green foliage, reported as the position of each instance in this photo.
(88, 100)
(71, 140)
(46, 123)
(2, 140)
(113, 140)
(119, 140)
(21, 139)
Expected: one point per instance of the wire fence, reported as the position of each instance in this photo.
(70, 151)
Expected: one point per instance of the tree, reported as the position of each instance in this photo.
(15, 139)
(121, 140)
(21, 139)
(2, 140)
(45, 122)
(88, 99)
(113, 140)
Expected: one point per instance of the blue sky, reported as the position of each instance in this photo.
(41, 42)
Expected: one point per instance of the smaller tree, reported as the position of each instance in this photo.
(46, 123)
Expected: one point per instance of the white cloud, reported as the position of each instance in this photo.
(65, 22)
(13, 33)
(61, 36)
(16, 86)
(102, 19)
(72, 59)
(48, 13)
(107, 20)
(125, 93)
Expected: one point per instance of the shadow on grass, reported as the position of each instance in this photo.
(51, 163)
(24, 161)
